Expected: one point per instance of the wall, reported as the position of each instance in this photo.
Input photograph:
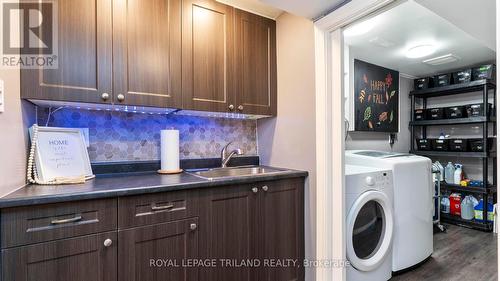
(289, 140)
(14, 140)
(380, 141)
(124, 136)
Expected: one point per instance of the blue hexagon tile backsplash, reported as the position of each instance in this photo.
(123, 136)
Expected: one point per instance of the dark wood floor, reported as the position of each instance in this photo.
(460, 254)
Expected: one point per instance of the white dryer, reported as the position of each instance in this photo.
(413, 205)
(369, 223)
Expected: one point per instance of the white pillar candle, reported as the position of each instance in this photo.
(169, 150)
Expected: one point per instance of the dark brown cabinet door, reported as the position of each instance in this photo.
(159, 252)
(77, 259)
(147, 52)
(228, 217)
(208, 58)
(84, 56)
(256, 64)
(282, 229)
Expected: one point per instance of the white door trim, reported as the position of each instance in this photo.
(330, 145)
(497, 23)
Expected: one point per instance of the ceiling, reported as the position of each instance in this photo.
(411, 24)
(477, 20)
(254, 6)
(310, 9)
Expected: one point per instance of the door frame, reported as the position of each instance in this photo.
(330, 128)
(497, 24)
(330, 145)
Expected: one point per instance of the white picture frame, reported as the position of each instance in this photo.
(61, 153)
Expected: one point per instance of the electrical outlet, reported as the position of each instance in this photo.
(2, 97)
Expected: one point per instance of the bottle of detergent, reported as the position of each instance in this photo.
(449, 173)
(445, 203)
(458, 175)
(478, 211)
(467, 208)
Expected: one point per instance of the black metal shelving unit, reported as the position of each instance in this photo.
(483, 86)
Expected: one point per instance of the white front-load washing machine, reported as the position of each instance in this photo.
(369, 223)
(413, 202)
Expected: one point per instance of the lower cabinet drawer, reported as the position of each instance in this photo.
(92, 257)
(34, 224)
(157, 208)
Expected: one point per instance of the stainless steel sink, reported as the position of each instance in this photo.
(235, 172)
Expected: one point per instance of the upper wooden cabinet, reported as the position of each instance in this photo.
(208, 56)
(147, 52)
(84, 56)
(256, 64)
(188, 54)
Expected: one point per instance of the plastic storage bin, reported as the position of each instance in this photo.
(475, 110)
(453, 112)
(419, 114)
(440, 144)
(459, 145)
(487, 71)
(442, 80)
(424, 144)
(463, 76)
(435, 113)
(423, 83)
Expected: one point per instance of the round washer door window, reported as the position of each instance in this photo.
(369, 230)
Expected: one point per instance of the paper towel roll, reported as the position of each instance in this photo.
(169, 150)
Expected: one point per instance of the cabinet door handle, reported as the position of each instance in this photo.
(193, 226)
(265, 188)
(120, 97)
(105, 96)
(159, 208)
(108, 242)
(255, 190)
(231, 107)
(63, 221)
(240, 107)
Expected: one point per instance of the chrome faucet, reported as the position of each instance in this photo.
(225, 157)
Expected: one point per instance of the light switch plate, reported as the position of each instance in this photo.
(2, 97)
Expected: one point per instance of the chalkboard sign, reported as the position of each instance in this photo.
(376, 98)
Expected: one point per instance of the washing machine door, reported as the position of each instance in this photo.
(369, 230)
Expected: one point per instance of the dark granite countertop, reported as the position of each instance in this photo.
(114, 185)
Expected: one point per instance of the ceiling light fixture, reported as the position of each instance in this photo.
(361, 28)
(420, 51)
(448, 58)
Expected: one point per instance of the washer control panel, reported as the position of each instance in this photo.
(379, 180)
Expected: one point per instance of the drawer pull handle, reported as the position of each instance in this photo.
(193, 226)
(75, 219)
(265, 188)
(159, 208)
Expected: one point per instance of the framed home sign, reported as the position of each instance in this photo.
(60, 153)
(376, 98)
